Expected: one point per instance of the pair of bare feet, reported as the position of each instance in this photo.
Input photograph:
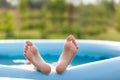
(32, 54)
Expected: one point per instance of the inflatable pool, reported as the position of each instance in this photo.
(95, 60)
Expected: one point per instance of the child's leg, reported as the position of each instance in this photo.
(32, 54)
(70, 49)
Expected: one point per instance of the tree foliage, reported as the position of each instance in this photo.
(59, 17)
(7, 24)
(117, 17)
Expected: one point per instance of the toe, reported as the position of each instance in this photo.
(69, 38)
(25, 51)
(75, 43)
(29, 43)
(26, 47)
(72, 38)
(28, 55)
(25, 54)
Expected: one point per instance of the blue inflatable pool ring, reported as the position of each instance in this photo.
(105, 56)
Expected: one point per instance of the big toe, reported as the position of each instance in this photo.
(70, 38)
(29, 43)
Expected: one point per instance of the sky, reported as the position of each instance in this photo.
(13, 2)
(75, 2)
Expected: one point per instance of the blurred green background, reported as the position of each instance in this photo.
(56, 19)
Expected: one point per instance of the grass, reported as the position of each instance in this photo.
(27, 34)
(2, 35)
(111, 34)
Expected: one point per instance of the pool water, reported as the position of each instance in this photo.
(52, 59)
(50, 51)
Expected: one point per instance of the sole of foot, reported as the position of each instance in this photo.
(32, 54)
(69, 51)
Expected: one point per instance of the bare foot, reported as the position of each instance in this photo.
(32, 54)
(70, 49)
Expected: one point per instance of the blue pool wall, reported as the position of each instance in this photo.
(87, 48)
(108, 69)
